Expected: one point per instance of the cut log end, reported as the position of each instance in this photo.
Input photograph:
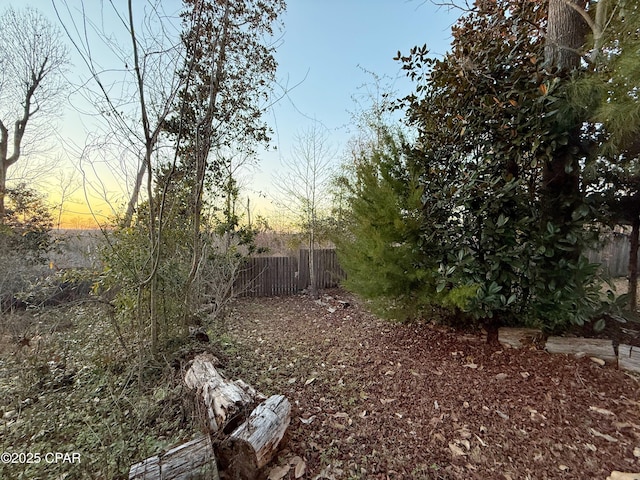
(255, 443)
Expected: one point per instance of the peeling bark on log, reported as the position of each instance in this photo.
(254, 443)
(629, 358)
(192, 460)
(519, 337)
(223, 398)
(593, 347)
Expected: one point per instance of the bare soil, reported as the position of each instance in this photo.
(391, 401)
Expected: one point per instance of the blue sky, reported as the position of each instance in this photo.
(330, 44)
(326, 47)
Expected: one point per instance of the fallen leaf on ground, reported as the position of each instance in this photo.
(603, 411)
(456, 450)
(300, 466)
(596, 433)
(278, 473)
(307, 421)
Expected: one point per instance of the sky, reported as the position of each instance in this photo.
(326, 50)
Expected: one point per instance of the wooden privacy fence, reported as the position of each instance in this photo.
(274, 276)
(613, 256)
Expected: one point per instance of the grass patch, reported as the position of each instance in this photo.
(73, 385)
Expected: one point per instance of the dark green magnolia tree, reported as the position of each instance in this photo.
(501, 150)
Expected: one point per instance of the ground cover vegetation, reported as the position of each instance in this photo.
(515, 164)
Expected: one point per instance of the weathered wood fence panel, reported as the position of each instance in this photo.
(614, 256)
(275, 276)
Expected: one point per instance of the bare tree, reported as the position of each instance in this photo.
(32, 61)
(185, 86)
(304, 187)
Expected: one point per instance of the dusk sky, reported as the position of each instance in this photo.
(327, 46)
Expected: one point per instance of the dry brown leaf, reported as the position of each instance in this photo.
(279, 472)
(307, 421)
(301, 467)
(456, 450)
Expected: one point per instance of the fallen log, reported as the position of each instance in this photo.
(592, 347)
(194, 459)
(242, 451)
(253, 444)
(224, 399)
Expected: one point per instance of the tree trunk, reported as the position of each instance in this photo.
(566, 30)
(633, 264)
(566, 34)
(313, 284)
(3, 190)
(133, 201)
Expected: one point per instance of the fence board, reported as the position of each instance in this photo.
(613, 256)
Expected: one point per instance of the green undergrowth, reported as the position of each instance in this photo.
(72, 384)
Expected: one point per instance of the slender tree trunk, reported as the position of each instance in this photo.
(312, 261)
(3, 190)
(133, 201)
(633, 263)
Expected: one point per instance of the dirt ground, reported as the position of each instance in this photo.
(386, 401)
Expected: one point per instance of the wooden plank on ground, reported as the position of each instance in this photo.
(591, 347)
(519, 337)
(629, 358)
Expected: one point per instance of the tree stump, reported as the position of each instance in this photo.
(223, 399)
(191, 460)
(254, 443)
